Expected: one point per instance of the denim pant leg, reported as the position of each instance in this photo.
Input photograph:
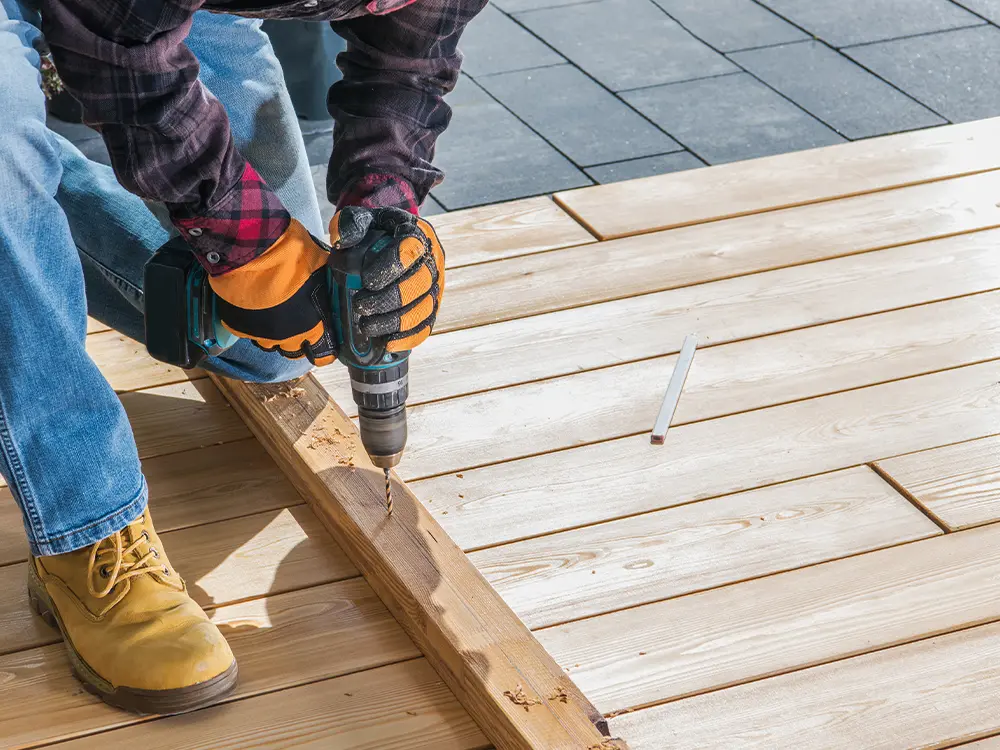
(238, 65)
(66, 448)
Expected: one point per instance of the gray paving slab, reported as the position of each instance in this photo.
(577, 116)
(646, 167)
(319, 146)
(989, 9)
(839, 92)
(731, 117)
(494, 43)
(845, 22)
(490, 156)
(432, 208)
(626, 44)
(516, 6)
(731, 25)
(954, 72)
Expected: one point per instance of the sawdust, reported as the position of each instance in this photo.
(320, 439)
(289, 393)
(559, 694)
(605, 745)
(519, 698)
(460, 476)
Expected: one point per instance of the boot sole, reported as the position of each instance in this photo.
(136, 700)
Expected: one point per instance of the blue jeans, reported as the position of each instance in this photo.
(70, 234)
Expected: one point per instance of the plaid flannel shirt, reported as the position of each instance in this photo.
(169, 138)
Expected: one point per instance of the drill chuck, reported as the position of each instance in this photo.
(381, 398)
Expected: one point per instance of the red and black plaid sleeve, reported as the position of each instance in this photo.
(389, 107)
(169, 138)
(167, 135)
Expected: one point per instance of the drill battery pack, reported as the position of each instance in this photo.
(181, 327)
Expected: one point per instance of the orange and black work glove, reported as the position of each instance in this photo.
(403, 283)
(281, 300)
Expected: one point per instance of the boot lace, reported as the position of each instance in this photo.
(111, 558)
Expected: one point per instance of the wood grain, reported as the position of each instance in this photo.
(127, 366)
(172, 418)
(479, 647)
(399, 707)
(959, 484)
(505, 230)
(766, 626)
(222, 563)
(785, 180)
(279, 642)
(573, 410)
(567, 278)
(504, 354)
(653, 556)
(600, 482)
(926, 694)
(187, 489)
(95, 326)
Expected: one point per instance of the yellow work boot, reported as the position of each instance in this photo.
(135, 637)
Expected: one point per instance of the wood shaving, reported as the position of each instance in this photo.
(605, 745)
(559, 695)
(519, 698)
(290, 393)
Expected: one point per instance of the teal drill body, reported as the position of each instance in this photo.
(182, 329)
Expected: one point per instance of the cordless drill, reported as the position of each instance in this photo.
(183, 328)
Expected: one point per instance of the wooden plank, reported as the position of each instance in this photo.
(400, 707)
(562, 279)
(505, 230)
(565, 412)
(187, 489)
(926, 694)
(126, 364)
(990, 743)
(759, 628)
(503, 354)
(479, 647)
(279, 642)
(241, 559)
(653, 556)
(95, 326)
(959, 484)
(600, 482)
(179, 417)
(785, 180)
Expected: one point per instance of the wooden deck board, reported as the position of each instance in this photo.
(504, 354)
(230, 561)
(126, 364)
(785, 180)
(617, 478)
(959, 484)
(506, 230)
(573, 410)
(779, 623)
(281, 641)
(571, 277)
(926, 694)
(187, 489)
(399, 707)
(179, 417)
(596, 569)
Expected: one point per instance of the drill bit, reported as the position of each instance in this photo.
(388, 494)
